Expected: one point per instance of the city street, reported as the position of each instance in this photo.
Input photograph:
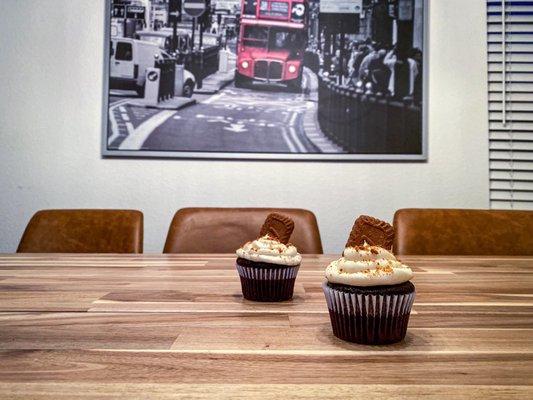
(264, 118)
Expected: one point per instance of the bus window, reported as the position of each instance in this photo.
(124, 52)
(286, 39)
(256, 36)
(250, 7)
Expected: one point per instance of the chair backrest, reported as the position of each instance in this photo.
(223, 230)
(463, 232)
(83, 231)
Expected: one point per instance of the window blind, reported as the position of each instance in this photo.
(510, 73)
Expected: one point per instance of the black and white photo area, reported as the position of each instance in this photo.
(266, 79)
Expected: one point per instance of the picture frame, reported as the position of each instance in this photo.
(139, 149)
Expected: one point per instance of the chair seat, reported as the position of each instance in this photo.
(83, 231)
(223, 230)
(463, 232)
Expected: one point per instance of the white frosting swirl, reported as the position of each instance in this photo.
(269, 250)
(367, 266)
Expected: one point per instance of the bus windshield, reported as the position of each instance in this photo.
(273, 38)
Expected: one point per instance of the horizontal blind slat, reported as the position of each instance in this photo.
(508, 145)
(514, 196)
(509, 176)
(497, 96)
(517, 106)
(508, 205)
(517, 116)
(525, 126)
(511, 186)
(505, 155)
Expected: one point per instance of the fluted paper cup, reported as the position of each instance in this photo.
(267, 284)
(368, 318)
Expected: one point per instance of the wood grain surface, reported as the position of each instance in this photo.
(176, 326)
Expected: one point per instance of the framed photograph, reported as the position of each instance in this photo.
(266, 79)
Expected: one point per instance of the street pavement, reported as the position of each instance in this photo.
(259, 119)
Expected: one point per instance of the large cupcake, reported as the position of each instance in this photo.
(368, 291)
(268, 265)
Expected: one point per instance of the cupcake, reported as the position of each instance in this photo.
(368, 291)
(269, 264)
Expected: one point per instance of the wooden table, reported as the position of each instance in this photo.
(162, 326)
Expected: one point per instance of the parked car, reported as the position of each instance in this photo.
(163, 38)
(129, 60)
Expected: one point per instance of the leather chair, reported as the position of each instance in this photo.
(223, 230)
(83, 231)
(463, 232)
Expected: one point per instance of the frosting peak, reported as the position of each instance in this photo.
(367, 266)
(269, 250)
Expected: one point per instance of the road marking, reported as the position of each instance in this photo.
(130, 128)
(296, 139)
(213, 98)
(115, 131)
(237, 128)
(294, 134)
(176, 117)
(136, 139)
(125, 117)
(292, 121)
(287, 140)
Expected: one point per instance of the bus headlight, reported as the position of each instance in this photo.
(292, 69)
(245, 64)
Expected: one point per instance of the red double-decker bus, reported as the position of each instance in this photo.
(272, 42)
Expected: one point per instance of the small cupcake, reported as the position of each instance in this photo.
(268, 265)
(368, 292)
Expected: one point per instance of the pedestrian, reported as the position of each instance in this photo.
(379, 73)
(358, 54)
(413, 72)
(390, 62)
(214, 27)
(416, 56)
(363, 68)
(336, 67)
(403, 85)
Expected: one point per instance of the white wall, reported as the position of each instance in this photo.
(50, 119)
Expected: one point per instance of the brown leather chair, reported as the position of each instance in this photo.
(463, 232)
(83, 231)
(223, 230)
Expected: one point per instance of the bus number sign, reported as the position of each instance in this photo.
(274, 9)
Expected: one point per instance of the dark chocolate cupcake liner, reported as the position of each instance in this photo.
(268, 284)
(368, 318)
